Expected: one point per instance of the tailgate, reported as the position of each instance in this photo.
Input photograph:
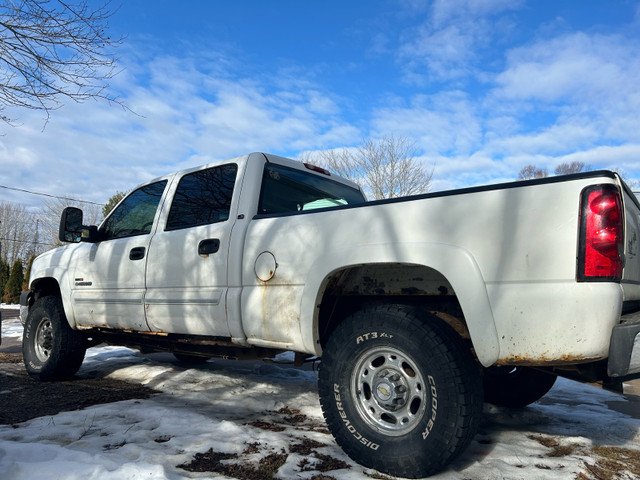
(631, 273)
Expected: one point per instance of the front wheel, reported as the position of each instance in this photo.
(400, 390)
(52, 350)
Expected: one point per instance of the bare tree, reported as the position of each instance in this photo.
(17, 232)
(573, 167)
(385, 168)
(531, 171)
(633, 184)
(51, 50)
(50, 218)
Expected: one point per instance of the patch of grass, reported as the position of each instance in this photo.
(288, 411)
(327, 463)
(252, 448)
(306, 447)
(557, 450)
(207, 461)
(563, 450)
(266, 426)
(212, 461)
(10, 357)
(614, 463)
(377, 476)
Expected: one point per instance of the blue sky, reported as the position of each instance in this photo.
(483, 87)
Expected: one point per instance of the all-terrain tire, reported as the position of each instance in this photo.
(52, 350)
(516, 387)
(400, 390)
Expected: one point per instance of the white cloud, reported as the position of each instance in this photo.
(180, 115)
(575, 67)
(449, 43)
(553, 140)
(446, 122)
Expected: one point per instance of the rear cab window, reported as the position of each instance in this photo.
(289, 190)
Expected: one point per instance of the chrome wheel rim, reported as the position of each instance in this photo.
(389, 390)
(44, 340)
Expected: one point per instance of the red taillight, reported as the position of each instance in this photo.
(601, 234)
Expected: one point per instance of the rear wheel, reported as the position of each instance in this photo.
(52, 350)
(400, 390)
(516, 387)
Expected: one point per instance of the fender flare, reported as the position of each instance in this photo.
(457, 265)
(60, 277)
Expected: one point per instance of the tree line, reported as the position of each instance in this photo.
(529, 172)
(25, 234)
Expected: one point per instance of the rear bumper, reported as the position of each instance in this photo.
(624, 349)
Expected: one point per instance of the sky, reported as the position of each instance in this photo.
(220, 405)
(483, 87)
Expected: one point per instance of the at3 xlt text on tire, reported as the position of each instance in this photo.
(51, 349)
(400, 390)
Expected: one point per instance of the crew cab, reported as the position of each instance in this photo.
(419, 308)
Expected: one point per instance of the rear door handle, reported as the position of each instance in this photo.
(208, 246)
(136, 253)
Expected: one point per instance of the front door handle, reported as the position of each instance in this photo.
(136, 253)
(208, 246)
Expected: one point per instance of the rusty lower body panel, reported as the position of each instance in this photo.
(203, 346)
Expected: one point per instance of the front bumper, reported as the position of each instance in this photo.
(624, 349)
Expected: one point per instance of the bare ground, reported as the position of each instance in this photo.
(24, 398)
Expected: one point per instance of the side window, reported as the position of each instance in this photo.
(134, 216)
(287, 190)
(203, 197)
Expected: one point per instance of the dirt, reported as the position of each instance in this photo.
(24, 398)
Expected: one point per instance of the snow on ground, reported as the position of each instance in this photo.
(9, 306)
(226, 405)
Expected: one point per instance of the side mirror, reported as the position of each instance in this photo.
(70, 225)
(72, 230)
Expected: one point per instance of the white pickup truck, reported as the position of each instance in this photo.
(420, 308)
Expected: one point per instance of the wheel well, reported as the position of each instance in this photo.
(45, 286)
(351, 289)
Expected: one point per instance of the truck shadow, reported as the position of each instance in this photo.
(567, 422)
(560, 431)
(570, 421)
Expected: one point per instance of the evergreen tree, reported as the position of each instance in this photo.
(112, 202)
(14, 285)
(27, 274)
(4, 278)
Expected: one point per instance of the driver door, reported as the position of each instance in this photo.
(109, 282)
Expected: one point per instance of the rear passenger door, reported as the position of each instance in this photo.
(186, 276)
